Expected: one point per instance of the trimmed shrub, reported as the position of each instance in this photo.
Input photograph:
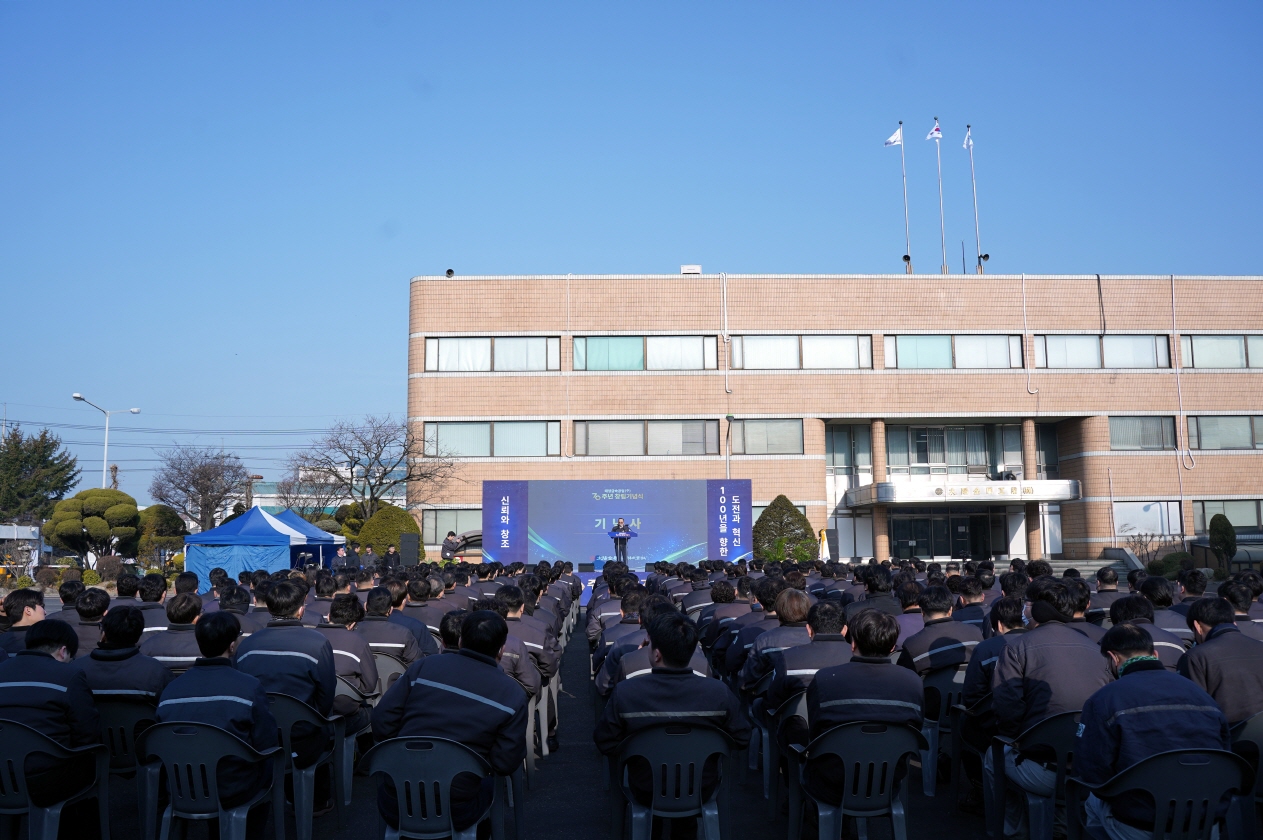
(100, 521)
(384, 527)
(109, 567)
(783, 522)
(25, 582)
(70, 574)
(162, 521)
(177, 562)
(1223, 538)
(329, 525)
(91, 578)
(46, 577)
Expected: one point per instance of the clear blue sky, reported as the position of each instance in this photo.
(211, 210)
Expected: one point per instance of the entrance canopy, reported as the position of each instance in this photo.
(969, 493)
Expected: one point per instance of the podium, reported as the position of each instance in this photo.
(620, 539)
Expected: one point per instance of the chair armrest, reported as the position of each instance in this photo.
(798, 751)
(1004, 740)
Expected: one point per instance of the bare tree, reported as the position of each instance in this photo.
(1144, 545)
(308, 495)
(199, 482)
(373, 459)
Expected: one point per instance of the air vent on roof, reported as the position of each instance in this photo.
(690, 269)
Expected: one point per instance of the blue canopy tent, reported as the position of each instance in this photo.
(254, 540)
(321, 545)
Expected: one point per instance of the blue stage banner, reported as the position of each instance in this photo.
(728, 521)
(505, 508)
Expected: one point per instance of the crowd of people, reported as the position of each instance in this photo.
(1151, 664)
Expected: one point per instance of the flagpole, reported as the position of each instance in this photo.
(942, 225)
(907, 230)
(974, 181)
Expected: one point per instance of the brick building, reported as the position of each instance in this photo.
(909, 415)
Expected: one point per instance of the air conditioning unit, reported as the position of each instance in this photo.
(690, 269)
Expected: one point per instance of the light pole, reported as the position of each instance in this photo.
(728, 447)
(105, 458)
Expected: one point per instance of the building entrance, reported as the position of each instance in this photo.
(960, 535)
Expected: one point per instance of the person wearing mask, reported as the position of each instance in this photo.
(116, 668)
(1051, 669)
(1136, 609)
(176, 647)
(1225, 663)
(214, 693)
(1146, 711)
(24, 609)
(942, 642)
(438, 696)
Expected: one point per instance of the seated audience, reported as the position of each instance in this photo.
(236, 600)
(176, 647)
(742, 633)
(68, 593)
(1007, 627)
(515, 660)
(352, 658)
(24, 608)
(791, 610)
(116, 668)
(1080, 599)
(796, 667)
(1225, 663)
(153, 597)
(942, 642)
(971, 610)
(1241, 599)
(383, 635)
(877, 584)
(1137, 610)
(1106, 593)
(1159, 592)
(90, 607)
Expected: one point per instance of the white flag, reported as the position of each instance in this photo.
(895, 139)
(936, 133)
(969, 140)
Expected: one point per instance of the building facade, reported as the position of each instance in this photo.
(907, 415)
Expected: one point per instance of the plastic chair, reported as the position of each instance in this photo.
(1250, 731)
(421, 770)
(21, 741)
(794, 706)
(1187, 787)
(1054, 734)
(122, 720)
(944, 688)
(389, 669)
(959, 713)
(189, 753)
(289, 712)
(872, 754)
(676, 754)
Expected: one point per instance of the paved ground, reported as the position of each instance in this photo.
(568, 803)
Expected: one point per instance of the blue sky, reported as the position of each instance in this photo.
(211, 210)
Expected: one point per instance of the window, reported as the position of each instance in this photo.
(1222, 351)
(848, 449)
(535, 438)
(1067, 351)
(681, 352)
(941, 450)
(1225, 432)
(652, 437)
(837, 351)
(918, 351)
(436, 523)
(988, 351)
(767, 437)
(1243, 514)
(765, 352)
(1136, 351)
(479, 354)
(1160, 518)
(609, 353)
(1142, 433)
(757, 511)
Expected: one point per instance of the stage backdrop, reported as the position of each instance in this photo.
(677, 521)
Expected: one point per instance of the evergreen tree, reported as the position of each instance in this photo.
(782, 531)
(35, 474)
(1223, 538)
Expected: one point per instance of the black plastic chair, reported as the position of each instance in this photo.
(290, 712)
(872, 755)
(944, 688)
(1250, 731)
(1054, 735)
(421, 770)
(21, 741)
(122, 721)
(676, 754)
(959, 714)
(189, 755)
(794, 706)
(1187, 787)
(389, 669)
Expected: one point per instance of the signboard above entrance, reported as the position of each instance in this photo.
(973, 492)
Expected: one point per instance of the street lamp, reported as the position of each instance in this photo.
(728, 447)
(105, 458)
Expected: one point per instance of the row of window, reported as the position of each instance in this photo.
(530, 438)
(1243, 514)
(1233, 432)
(612, 437)
(839, 352)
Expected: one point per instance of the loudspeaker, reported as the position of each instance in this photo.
(587, 567)
(410, 549)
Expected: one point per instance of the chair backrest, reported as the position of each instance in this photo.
(1187, 787)
(20, 741)
(676, 754)
(421, 770)
(290, 712)
(389, 669)
(795, 706)
(121, 722)
(345, 689)
(1054, 734)
(870, 754)
(1250, 731)
(190, 754)
(944, 688)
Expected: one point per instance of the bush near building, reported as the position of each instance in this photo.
(1223, 538)
(385, 527)
(784, 532)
